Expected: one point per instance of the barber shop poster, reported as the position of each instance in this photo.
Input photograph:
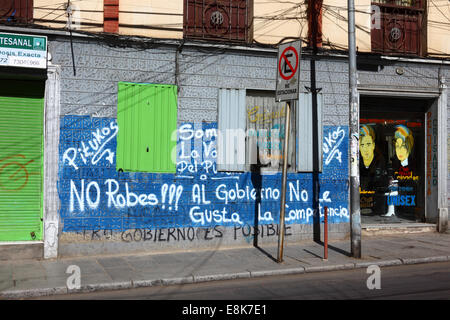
(389, 170)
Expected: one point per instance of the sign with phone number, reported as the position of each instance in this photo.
(26, 51)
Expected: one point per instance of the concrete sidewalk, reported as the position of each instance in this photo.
(28, 278)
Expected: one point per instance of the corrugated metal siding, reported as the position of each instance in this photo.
(305, 132)
(232, 115)
(147, 119)
(21, 143)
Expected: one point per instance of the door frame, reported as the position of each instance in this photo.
(51, 220)
(441, 97)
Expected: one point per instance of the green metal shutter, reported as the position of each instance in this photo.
(21, 144)
(147, 120)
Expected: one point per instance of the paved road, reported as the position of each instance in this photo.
(424, 281)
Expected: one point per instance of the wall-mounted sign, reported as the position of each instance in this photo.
(25, 51)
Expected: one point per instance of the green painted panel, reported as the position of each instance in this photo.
(21, 143)
(147, 120)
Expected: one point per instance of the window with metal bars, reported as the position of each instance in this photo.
(226, 20)
(400, 28)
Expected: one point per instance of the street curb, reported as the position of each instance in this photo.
(32, 293)
(146, 283)
(335, 267)
(177, 281)
(383, 263)
(120, 285)
(102, 287)
(277, 272)
(222, 276)
(407, 261)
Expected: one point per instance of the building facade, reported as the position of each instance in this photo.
(127, 144)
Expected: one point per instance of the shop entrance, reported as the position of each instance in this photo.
(21, 159)
(392, 159)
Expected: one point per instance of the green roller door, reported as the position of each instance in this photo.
(21, 144)
(147, 120)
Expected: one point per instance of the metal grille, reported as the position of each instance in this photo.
(222, 20)
(401, 3)
(400, 32)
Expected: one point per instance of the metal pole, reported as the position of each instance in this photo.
(325, 234)
(355, 216)
(284, 181)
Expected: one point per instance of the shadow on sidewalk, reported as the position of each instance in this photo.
(336, 249)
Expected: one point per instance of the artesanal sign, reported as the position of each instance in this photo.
(25, 51)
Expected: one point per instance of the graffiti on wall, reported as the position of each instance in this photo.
(14, 172)
(94, 196)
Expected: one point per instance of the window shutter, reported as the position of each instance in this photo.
(147, 119)
(21, 155)
(305, 134)
(231, 135)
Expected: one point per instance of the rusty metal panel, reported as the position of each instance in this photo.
(16, 11)
(232, 130)
(400, 3)
(222, 20)
(401, 28)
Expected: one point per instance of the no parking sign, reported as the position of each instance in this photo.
(288, 71)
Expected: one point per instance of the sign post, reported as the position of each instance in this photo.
(288, 71)
(287, 89)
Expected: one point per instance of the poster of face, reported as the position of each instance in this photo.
(372, 171)
(388, 173)
(403, 142)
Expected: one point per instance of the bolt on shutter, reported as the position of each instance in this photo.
(147, 120)
(21, 163)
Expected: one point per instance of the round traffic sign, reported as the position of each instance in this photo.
(290, 69)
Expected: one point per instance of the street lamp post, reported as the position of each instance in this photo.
(355, 215)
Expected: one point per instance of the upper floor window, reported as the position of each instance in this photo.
(399, 27)
(227, 20)
(401, 3)
(16, 11)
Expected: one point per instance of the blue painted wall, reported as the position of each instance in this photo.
(94, 196)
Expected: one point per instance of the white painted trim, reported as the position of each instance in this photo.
(442, 204)
(51, 219)
(432, 93)
(416, 60)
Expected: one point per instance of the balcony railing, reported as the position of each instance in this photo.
(417, 4)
